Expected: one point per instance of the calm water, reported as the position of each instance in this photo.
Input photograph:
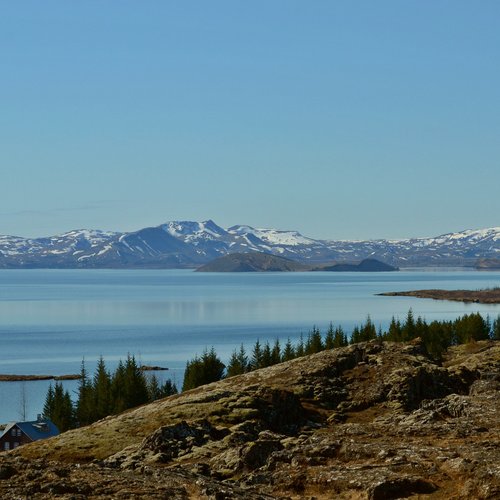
(51, 319)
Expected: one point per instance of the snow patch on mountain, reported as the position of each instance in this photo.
(273, 236)
(189, 231)
(188, 243)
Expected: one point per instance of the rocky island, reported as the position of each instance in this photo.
(374, 420)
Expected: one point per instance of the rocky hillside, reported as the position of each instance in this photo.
(368, 421)
(179, 244)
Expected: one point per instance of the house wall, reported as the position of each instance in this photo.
(13, 440)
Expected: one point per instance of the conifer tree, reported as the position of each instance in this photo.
(135, 389)
(60, 409)
(48, 407)
(168, 389)
(266, 355)
(495, 329)
(276, 353)
(330, 337)
(200, 371)
(420, 328)
(238, 363)
(118, 400)
(85, 404)
(355, 335)
(102, 391)
(408, 330)
(288, 351)
(256, 361)
(367, 331)
(469, 328)
(300, 349)
(394, 333)
(340, 338)
(314, 342)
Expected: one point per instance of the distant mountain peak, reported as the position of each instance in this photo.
(191, 243)
(274, 236)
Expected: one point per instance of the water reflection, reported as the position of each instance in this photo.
(50, 319)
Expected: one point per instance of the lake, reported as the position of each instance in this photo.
(51, 319)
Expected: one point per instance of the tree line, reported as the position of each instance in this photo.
(436, 336)
(109, 393)
(104, 394)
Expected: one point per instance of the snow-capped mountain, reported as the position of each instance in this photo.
(189, 244)
(273, 237)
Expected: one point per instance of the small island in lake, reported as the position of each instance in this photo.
(252, 262)
(488, 264)
(488, 296)
(265, 262)
(365, 266)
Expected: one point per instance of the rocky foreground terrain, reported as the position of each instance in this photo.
(369, 421)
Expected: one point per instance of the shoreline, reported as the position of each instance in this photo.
(32, 378)
(491, 296)
(71, 376)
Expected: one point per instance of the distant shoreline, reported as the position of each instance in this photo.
(72, 376)
(31, 378)
(489, 296)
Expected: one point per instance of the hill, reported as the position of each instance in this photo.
(366, 265)
(375, 420)
(252, 262)
(488, 264)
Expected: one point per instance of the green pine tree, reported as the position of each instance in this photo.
(256, 361)
(314, 342)
(276, 353)
(238, 363)
(85, 413)
(61, 411)
(48, 407)
(495, 329)
(330, 337)
(300, 348)
(340, 338)
(288, 351)
(199, 371)
(102, 391)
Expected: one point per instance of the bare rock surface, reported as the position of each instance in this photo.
(369, 421)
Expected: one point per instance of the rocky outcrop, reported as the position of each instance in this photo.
(369, 421)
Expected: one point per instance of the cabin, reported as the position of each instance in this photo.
(18, 433)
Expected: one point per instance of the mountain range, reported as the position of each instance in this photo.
(185, 244)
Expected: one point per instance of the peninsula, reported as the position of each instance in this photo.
(487, 296)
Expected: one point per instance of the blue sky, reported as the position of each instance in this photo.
(341, 119)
